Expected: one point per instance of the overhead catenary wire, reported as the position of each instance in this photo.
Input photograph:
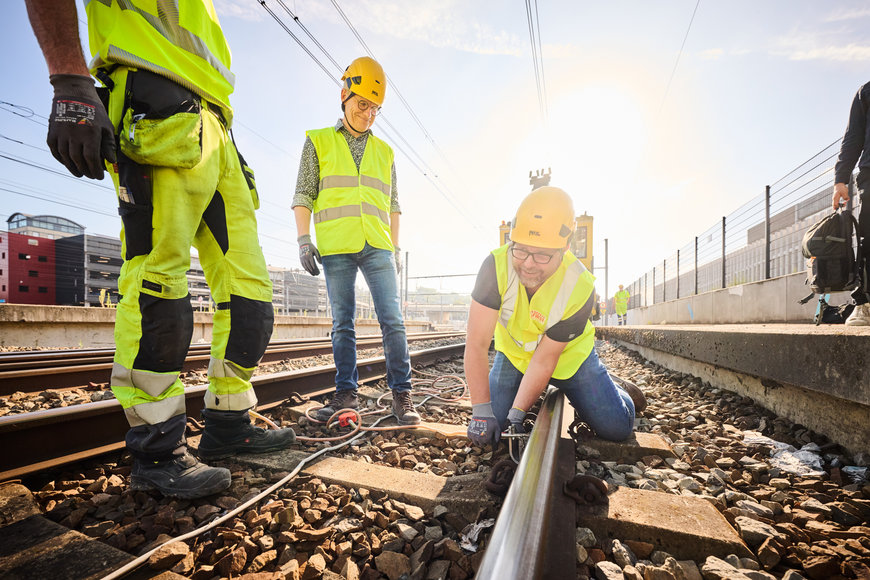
(679, 54)
(393, 85)
(534, 23)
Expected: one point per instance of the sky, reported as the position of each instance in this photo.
(656, 127)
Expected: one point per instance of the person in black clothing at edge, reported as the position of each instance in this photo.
(854, 150)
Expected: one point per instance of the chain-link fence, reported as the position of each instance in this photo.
(758, 241)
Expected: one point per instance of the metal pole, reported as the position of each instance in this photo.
(767, 232)
(678, 274)
(664, 280)
(405, 301)
(654, 286)
(606, 282)
(696, 265)
(723, 251)
(645, 288)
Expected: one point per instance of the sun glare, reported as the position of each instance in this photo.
(599, 137)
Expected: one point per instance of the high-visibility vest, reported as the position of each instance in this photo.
(181, 40)
(522, 324)
(352, 206)
(620, 301)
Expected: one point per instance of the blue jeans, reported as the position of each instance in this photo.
(379, 271)
(597, 400)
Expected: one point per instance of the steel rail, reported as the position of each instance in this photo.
(533, 536)
(28, 371)
(35, 441)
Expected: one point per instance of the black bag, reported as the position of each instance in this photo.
(831, 263)
(828, 314)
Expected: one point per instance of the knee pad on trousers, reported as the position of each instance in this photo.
(167, 327)
(250, 330)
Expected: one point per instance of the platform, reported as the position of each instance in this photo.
(818, 376)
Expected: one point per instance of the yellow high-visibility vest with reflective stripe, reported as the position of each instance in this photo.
(352, 206)
(522, 323)
(620, 301)
(181, 40)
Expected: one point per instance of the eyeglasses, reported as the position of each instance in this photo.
(365, 106)
(537, 257)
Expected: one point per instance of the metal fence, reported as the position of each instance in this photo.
(758, 241)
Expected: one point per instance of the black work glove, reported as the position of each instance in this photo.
(483, 427)
(307, 254)
(80, 134)
(516, 416)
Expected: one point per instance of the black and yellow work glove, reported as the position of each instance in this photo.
(483, 427)
(80, 134)
(398, 254)
(308, 254)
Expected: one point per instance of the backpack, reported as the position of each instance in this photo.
(831, 263)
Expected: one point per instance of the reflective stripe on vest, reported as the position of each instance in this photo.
(520, 328)
(195, 56)
(557, 310)
(353, 206)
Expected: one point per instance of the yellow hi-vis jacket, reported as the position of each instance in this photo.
(181, 40)
(352, 206)
(522, 324)
(620, 302)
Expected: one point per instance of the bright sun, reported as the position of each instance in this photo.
(596, 137)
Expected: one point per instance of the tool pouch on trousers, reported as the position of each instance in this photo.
(162, 123)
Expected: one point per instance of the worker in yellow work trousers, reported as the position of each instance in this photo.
(535, 296)
(347, 184)
(159, 125)
(620, 304)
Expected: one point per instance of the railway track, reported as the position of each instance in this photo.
(411, 503)
(32, 370)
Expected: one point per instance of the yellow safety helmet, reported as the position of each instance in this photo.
(366, 78)
(544, 219)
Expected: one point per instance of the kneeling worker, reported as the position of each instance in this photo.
(536, 297)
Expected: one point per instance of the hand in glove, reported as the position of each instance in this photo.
(308, 254)
(516, 416)
(398, 255)
(80, 134)
(483, 427)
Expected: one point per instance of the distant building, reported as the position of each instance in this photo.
(27, 269)
(50, 260)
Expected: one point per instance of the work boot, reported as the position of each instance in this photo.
(229, 432)
(637, 396)
(341, 399)
(860, 316)
(181, 476)
(403, 408)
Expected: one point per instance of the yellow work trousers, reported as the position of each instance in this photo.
(193, 193)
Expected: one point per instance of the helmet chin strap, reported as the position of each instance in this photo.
(346, 120)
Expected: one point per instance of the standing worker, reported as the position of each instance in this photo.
(160, 128)
(535, 296)
(347, 180)
(620, 303)
(855, 149)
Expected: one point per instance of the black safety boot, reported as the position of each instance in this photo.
(229, 432)
(181, 476)
(343, 399)
(637, 396)
(403, 408)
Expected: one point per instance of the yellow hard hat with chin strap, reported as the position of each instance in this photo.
(366, 78)
(544, 219)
